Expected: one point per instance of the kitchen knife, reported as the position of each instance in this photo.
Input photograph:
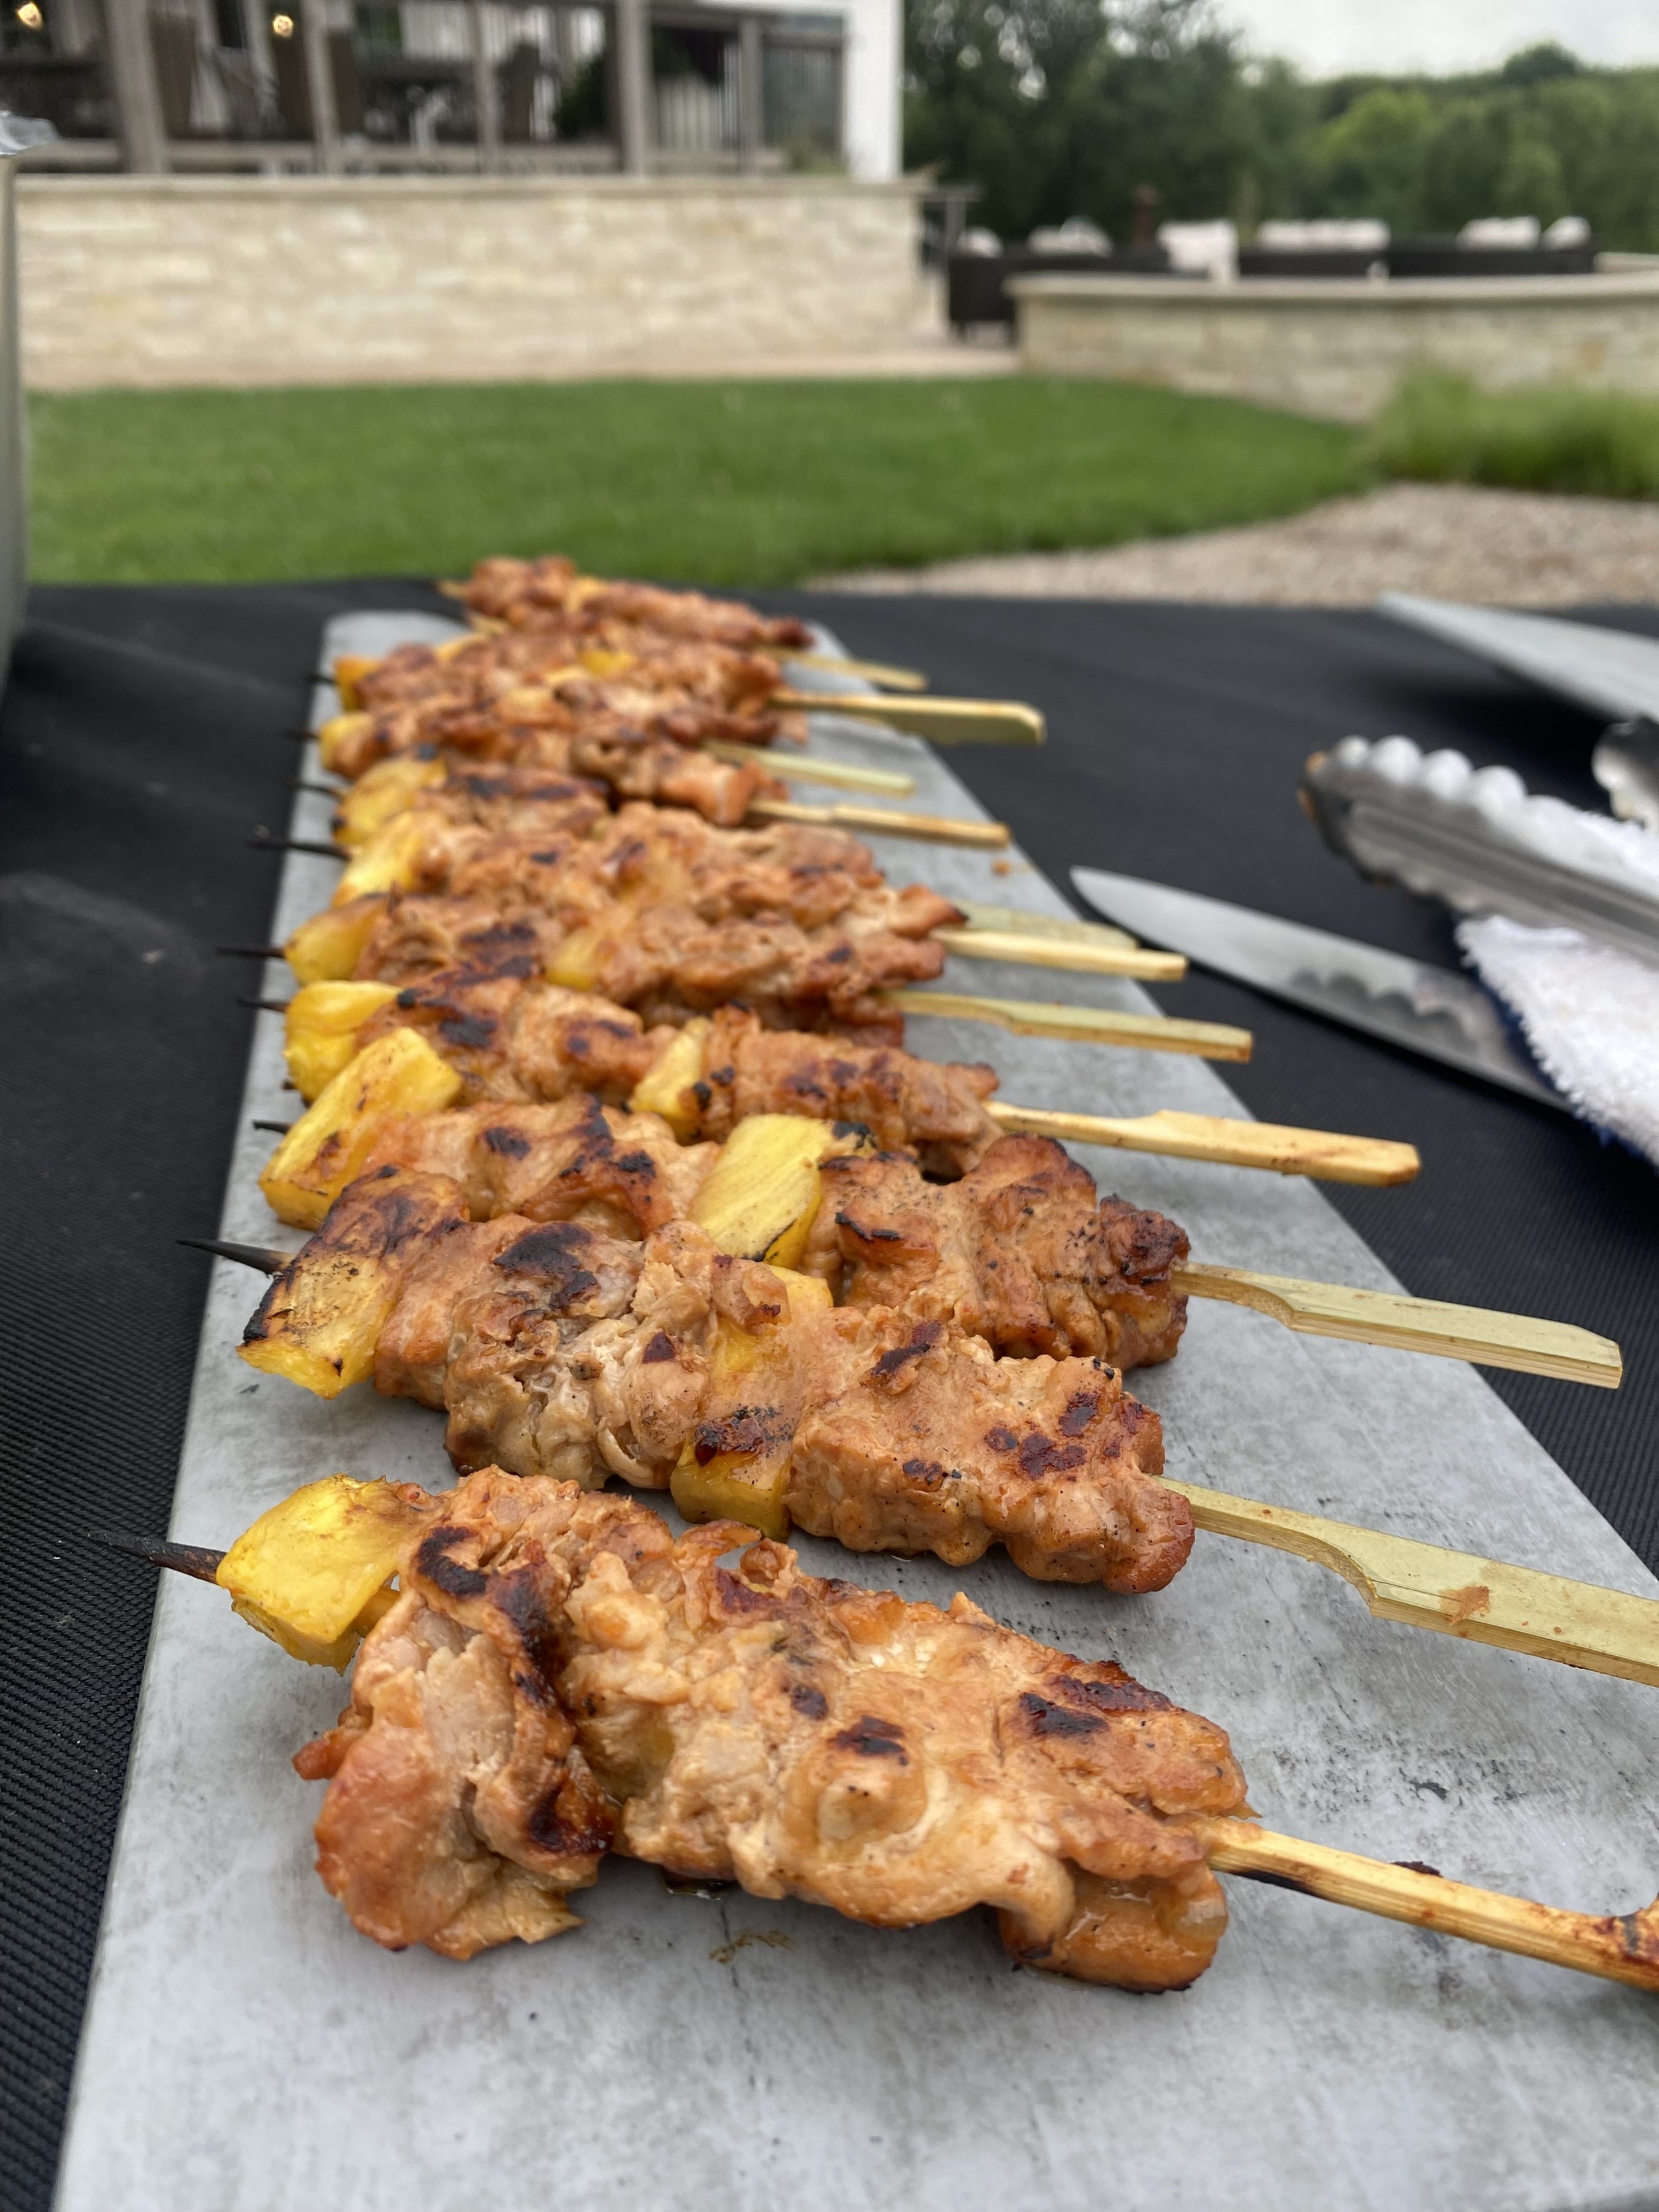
(1431, 1010)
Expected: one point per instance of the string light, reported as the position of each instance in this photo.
(30, 16)
(283, 25)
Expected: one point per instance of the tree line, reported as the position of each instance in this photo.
(1063, 107)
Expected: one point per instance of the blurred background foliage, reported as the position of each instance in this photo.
(1062, 107)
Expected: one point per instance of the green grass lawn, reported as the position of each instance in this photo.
(726, 484)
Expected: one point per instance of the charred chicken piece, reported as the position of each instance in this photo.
(1022, 1251)
(522, 593)
(560, 1674)
(556, 1349)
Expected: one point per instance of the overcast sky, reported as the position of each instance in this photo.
(1327, 37)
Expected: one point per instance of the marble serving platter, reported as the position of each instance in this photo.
(244, 2049)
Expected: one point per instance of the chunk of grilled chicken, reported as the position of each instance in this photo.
(525, 592)
(656, 756)
(555, 1349)
(514, 1039)
(1023, 1251)
(576, 1160)
(559, 1673)
(659, 911)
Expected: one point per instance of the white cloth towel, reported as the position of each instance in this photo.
(1589, 1011)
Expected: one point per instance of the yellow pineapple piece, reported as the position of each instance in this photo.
(761, 1196)
(576, 965)
(328, 948)
(320, 1030)
(736, 1465)
(331, 1142)
(599, 660)
(336, 734)
(320, 1321)
(384, 792)
(350, 670)
(312, 1572)
(388, 860)
(665, 1086)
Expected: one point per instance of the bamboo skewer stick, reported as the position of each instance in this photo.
(1606, 1632)
(885, 821)
(944, 721)
(872, 671)
(1322, 1153)
(1405, 1324)
(1621, 1948)
(1024, 1018)
(1077, 1024)
(1064, 929)
(1076, 959)
(1618, 1947)
(807, 768)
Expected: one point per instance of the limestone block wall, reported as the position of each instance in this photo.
(135, 281)
(1338, 348)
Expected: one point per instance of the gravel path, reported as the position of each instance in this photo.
(1445, 541)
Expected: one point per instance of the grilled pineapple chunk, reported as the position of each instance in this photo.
(735, 1466)
(331, 1142)
(334, 736)
(319, 1323)
(760, 1198)
(384, 792)
(320, 1030)
(576, 965)
(666, 1088)
(312, 1574)
(350, 670)
(328, 948)
(389, 860)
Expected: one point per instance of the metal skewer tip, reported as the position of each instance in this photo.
(275, 1128)
(295, 845)
(250, 951)
(264, 1257)
(183, 1558)
(265, 1005)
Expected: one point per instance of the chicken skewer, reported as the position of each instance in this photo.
(659, 910)
(569, 1678)
(387, 1106)
(525, 1041)
(529, 1335)
(414, 824)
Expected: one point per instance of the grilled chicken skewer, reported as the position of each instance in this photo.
(496, 1325)
(658, 909)
(517, 1041)
(556, 1677)
(413, 825)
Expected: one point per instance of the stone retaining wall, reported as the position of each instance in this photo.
(1338, 348)
(141, 281)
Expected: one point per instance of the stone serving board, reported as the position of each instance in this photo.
(244, 2048)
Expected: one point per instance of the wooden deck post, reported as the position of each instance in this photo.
(319, 83)
(752, 121)
(137, 94)
(484, 96)
(633, 66)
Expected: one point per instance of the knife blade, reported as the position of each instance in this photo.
(1434, 1011)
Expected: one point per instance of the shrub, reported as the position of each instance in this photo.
(1533, 437)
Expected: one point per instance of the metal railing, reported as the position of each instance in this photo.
(435, 85)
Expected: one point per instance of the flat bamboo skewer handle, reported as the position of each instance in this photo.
(1483, 1600)
(792, 767)
(1386, 1317)
(1322, 1153)
(946, 722)
(886, 822)
(1064, 929)
(872, 671)
(1078, 1024)
(1076, 958)
(1618, 1947)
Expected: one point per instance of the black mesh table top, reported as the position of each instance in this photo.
(142, 746)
